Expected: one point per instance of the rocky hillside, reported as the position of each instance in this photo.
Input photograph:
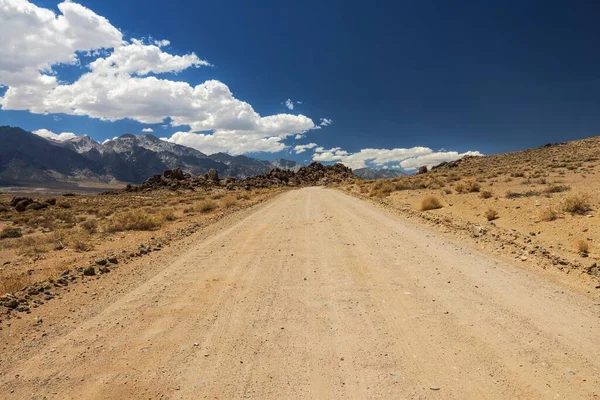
(570, 155)
(26, 158)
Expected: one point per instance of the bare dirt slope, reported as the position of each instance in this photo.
(320, 295)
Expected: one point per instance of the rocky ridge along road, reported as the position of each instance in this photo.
(317, 294)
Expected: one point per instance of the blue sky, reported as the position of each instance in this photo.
(403, 83)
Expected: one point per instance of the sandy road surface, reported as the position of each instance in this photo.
(318, 295)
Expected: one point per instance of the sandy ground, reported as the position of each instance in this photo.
(317, 294)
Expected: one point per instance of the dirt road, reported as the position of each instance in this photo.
(319, 295)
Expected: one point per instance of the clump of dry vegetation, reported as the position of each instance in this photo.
(168, 215)
(7, 233)
(491, 214)
(577, 204)
(582, 246)
(207, 206)
(133, 220)
(430, 203)
(229, 202)
(14, 282)
(382, 188)
(486, 194)
(556, 188)
(90, 225)
(469, 186)
(548, 214)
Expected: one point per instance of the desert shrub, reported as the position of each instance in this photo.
(548, 215)
(430, 203)
(467, 187)
(577, 204)
(10, 233)
(65, 216)
(486, 194)
(448, 191)
(80, 241)
(557, 188)
(582, 246)
(207, 206)
(246, 196)
(516, 195)
(491, 214)
(229, 202)
(64, 205)
(168, 215)
(33, 245)
(90, 226)
(14, 283)
(217, 196)
(104, 212)
(132, 221)
(382, 188)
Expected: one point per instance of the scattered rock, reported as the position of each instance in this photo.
(89, 271)
(213, 175)
(477, 230)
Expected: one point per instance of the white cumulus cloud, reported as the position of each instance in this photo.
(289, 104)
(409, 158)
(326, 122)
(148, 130)
(61, 137)
(429, 160)
(301, 148)
(121, 83)
(34, 39)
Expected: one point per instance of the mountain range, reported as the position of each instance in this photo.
(371, 173)
(28, 159)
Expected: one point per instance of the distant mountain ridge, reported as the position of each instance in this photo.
(26, 158)
(370, 173)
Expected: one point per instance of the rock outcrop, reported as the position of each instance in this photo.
(315, 174)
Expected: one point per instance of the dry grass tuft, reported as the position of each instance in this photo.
(229, 202)
(577, 204)
(430, 203)
(467, 187)
(8, 233)
(486, 194)
(382, 188)
(582, 246)
(207, 206)
(132, 221)
(548, 215)
(90, 226)
(557, 188)
(491, 214)
(168, 215)
(14, 283)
